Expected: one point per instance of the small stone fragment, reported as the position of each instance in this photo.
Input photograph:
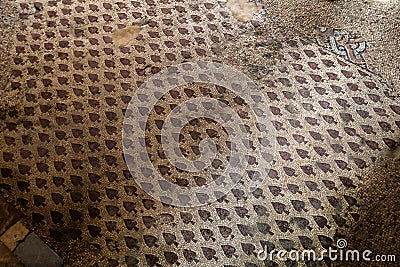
(14, 235)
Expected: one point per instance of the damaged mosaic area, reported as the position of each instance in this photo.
(326, 68)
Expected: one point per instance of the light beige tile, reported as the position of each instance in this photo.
(14, 235)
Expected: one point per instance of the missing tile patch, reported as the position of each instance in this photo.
(242, 10)
(126, 35)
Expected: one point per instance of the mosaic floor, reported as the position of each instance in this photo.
(328, 71)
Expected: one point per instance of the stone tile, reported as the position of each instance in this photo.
(7, 258)
(14, 235)
(33, 252)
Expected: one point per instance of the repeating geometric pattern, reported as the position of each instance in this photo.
(62, 156)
